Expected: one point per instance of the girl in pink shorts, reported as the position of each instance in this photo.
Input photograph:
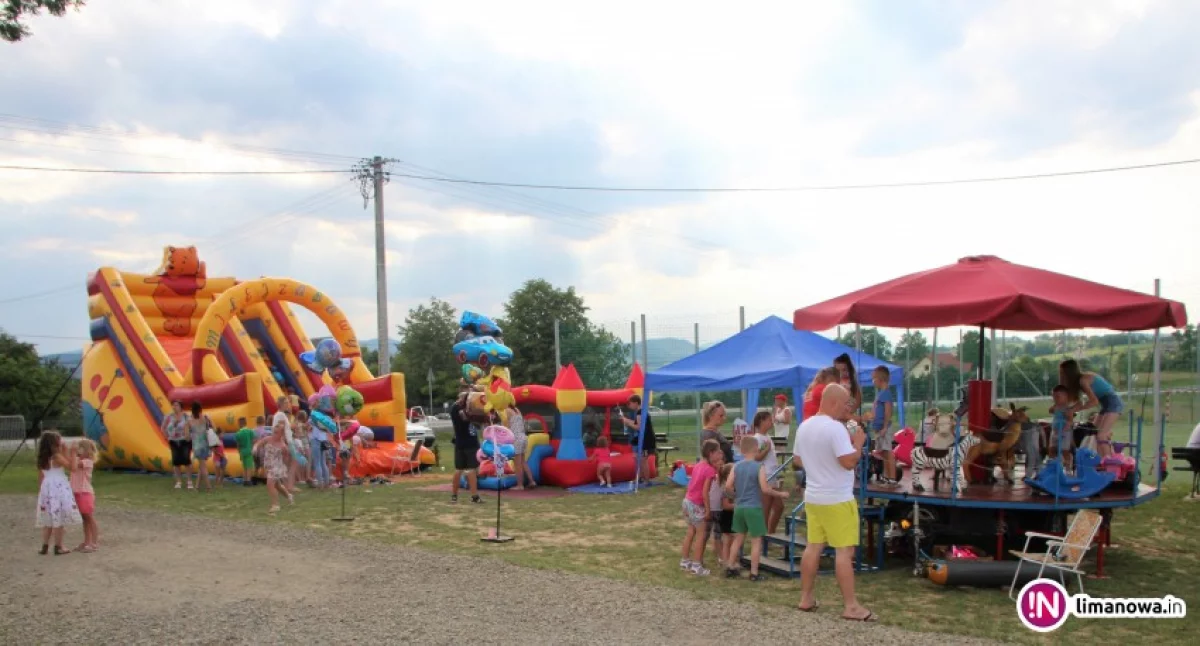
(83, 459)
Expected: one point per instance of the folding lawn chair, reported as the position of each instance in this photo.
(1063, 553)
(412, 460)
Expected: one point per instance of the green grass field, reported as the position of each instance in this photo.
(1156, 546)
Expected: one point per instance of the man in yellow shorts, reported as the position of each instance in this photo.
(829, 454)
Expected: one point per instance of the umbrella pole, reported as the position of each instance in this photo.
(979, 366)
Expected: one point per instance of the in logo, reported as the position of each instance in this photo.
(1042, 605)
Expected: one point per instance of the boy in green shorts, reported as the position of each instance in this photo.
(748, 483)
(245, 444)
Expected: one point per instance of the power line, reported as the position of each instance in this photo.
(786, 189)
(47, 126)
(632, 189)
(127, 171)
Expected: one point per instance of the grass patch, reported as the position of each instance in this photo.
(637, 539)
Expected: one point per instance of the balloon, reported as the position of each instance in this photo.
(349, 401)
(463, 335)
(327, 355)
(499, 434)
(323, 421)
(323, 400)
(471, 373)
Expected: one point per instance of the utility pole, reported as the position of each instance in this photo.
(371, 179)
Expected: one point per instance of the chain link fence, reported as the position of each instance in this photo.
(1024, 370)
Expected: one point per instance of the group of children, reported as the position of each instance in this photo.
(65, 494)
(731, 502)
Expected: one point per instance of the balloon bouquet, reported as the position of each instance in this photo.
(330, 406)
(479, 347)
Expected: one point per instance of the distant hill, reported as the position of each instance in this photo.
(67, 360)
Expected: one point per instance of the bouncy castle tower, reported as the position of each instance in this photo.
(570, 397)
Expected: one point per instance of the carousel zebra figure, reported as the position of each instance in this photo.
(941, 460)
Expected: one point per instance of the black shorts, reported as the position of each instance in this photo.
(725, 521)
(464, 456)
(181, 453)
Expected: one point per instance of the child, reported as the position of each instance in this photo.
(1062, 440)
(748, 482)
(881, 423)
(276, 460)
(245, 444)
(217, 448)
(83, 458)
(764, 424)
(303, 447)
(603, 462)
(696, 509)
(721, 515)
(56, 506)
(928, 426)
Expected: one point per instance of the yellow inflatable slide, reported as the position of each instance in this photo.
(233, 346)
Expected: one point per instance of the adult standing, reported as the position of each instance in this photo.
(1100, 393)
(649, 440)
(829, 457)
(198, 425)
(782, 417)
(516, 424)
(175, 428)
(713, 416)
(466, 445)
(848, 377)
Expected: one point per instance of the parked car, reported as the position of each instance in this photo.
(483, 351)
(417, 431)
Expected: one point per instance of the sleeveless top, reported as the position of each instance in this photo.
(1101, 387)
(782, 427)
(746, 491)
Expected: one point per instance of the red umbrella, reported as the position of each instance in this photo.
(990, 292)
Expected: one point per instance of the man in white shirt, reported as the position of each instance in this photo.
(1194, 441)
(829, 454)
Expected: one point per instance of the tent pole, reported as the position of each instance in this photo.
(1157, 376)
(742, 328)
(1129, 366)
(992, 368)
(960, 360)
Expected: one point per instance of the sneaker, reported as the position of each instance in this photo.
(189, 484)
(732, 573)
(454, 499)
(757, 577)
(685, 564)
(699, 570)
(476, 499)
(179, 485)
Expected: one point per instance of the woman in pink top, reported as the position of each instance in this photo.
(83, 458)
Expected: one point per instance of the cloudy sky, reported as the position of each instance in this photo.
(616, 93)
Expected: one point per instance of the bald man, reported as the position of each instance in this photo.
(829, 454)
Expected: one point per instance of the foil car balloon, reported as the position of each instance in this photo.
(348, 402)
(479, 325)
(483, 351)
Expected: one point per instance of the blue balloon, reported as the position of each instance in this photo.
(327, 355)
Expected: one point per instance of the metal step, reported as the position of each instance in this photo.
(774, 566)
(782, 538)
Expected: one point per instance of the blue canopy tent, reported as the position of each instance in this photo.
(768, 354)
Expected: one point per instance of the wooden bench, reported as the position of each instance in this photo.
(1191, 455)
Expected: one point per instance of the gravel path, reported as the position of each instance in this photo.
(180, 579)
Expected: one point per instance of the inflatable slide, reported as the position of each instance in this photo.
(234, 346)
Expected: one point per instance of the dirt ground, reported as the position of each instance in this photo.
(163, 578)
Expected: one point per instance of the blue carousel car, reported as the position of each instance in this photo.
(483, 351)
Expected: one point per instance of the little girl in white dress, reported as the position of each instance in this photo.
(56, 506)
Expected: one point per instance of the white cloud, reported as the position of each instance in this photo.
(745, 94)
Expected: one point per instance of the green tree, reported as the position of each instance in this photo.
(426, 341)
(11, 27)
(968, 350)
(27, 384)
(912, 346)
(1184, 356)
(873, 342)
(528, 325)
(606, 361)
